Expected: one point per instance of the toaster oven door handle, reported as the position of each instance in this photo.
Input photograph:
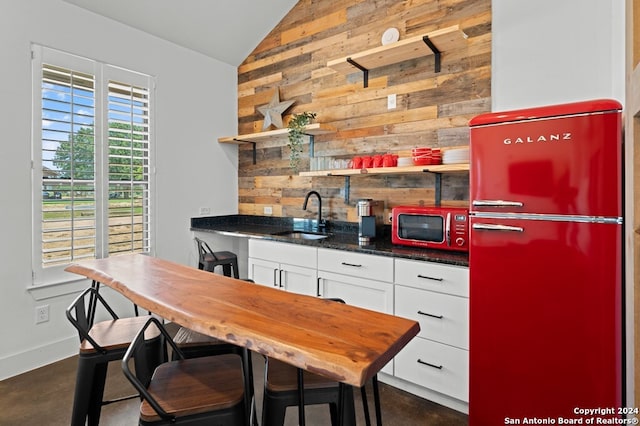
(447, 229)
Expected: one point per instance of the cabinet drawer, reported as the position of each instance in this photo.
(292, 254)
(433, 276)
(363, 293)
(356, 264)
(442, 317)
(435, 366)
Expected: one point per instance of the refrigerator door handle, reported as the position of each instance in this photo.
(492, 227)
(496, 203)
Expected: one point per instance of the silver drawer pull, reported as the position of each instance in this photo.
(430, 278)
(351, 264)
(439, 367)
(496, 203)
(492, 227)
(430, 315)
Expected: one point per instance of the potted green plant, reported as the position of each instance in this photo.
(296, 136)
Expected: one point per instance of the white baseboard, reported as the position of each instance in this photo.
(22, 362)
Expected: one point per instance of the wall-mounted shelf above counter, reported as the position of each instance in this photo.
(438, 170)
(311, 130)
(432, 43)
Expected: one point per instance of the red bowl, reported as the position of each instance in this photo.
(422, 161)
(420, 151)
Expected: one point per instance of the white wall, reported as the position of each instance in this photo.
(555, 51)
(195, 102)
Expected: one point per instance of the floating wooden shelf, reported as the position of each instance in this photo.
(433, 43)
(274, 135)
(438, 170)
(310, 130)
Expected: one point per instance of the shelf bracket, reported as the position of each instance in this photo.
(435, 50)
(311, 145)
(365, 72)
(347, 188)
(254, 148)
(438, 187)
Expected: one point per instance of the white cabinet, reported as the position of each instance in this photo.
(361, 280)
(435, 364)
(437, 296)
(291, 267)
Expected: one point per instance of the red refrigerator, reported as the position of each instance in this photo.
(546, 263)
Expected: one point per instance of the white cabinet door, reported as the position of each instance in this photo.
(363, 293)
(298, 280)
(290, 267)
(264, 272)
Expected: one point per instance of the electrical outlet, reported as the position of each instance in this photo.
(42, 314)
(205, 211)
(391, 101)
(268, 210)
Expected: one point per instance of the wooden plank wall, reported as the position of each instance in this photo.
(433, 109)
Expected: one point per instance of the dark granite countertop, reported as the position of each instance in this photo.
(342, 236)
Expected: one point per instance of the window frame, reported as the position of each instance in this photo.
(103, 73)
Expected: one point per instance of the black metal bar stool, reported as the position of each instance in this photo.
(194, 391)
(195, 345)
(101, 343)
(285, 385)
(208, 259)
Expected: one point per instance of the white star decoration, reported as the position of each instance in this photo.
(273, 111)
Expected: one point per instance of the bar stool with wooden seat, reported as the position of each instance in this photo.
(208, 259)
(203, 390)
(100, 344)
(281, 391)
(286, 386)
(194, 344)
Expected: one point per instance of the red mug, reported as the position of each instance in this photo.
(389, 160)
(377, 160)
(356, 163)
(367, 162)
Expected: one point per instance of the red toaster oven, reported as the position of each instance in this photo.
(444, 228)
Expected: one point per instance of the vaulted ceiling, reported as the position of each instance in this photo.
(227, 30)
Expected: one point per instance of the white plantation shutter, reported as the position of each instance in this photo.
(128, 168)
(68, 165)
(91, 162)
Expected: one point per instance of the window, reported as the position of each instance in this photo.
(91, 161)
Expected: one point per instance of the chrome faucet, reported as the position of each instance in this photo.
(321, 224)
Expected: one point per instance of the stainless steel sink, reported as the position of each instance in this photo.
(302, 235)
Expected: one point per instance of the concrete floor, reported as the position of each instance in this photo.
(45, 396)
